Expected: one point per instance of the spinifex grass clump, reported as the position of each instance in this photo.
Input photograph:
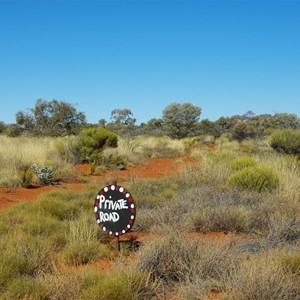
(242, 162)
(258, 179)
(125, 284)
(25, 288)
(263, 276)
(286, 141)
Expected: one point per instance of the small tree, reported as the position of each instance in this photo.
(242, 131)
(2, 127)
(123, 122)
(180, 119)
(92, 142)
(54, 118)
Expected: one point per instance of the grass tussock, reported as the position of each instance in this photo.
(18, 154)
(263, 277)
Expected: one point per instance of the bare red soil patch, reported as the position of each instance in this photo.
(152, 168)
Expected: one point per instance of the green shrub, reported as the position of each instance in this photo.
(242, 162)
(11, 266)
(124, 284)
(286, 141)
(92, 142)
(57, 208)
(78, 253)
(25, 288)
(40, 225)
(291, 263)
(13, 130)
(26, 175)
(259, 179)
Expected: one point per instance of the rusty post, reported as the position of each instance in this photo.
(118, 246)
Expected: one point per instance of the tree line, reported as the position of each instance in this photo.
(179, 120)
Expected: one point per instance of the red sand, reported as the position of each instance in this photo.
(152, 168)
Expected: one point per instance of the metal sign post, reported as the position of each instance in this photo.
(115, 211)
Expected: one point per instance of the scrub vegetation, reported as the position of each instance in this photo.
(259, 259)
(225, 226)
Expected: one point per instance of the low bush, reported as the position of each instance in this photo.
(92, 141)
(174, 259)
(263, 277)
(57, 206)
(124, 284)
(79, 253)
(291, 262)
(11, 266)
(286, 141)
(283, 228)
(258, 179)
(26, 288)
(242, 162)
(44, 174)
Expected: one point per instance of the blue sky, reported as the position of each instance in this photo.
(227, 57)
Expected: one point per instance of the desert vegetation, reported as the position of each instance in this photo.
(225, 226)
(43, 241)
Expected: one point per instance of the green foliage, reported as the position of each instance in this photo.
(125, 285)
(58, 208)
(2, 127)
(256, 178)
(122, 121)
(13, 130)
(26, 288)
(242, 162)
(242, 131)
(291, 262)
(79, 252)
(53, 118)
(286, 141)
(180, 119)
(11, 266)
(25, 174)
(92, 142)
(44, 174)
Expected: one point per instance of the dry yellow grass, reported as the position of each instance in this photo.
(17, 153)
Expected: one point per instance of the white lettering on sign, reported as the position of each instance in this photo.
(113, 205)
(105, 217)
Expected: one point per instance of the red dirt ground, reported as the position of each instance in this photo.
(152, 168)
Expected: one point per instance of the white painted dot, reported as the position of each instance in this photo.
(98, 221)
(132, 205)
(117, 233)
(104, 228)
(113, 187)
(128, 226)
(106, 189)
(132, 217)
(110, 232)
(127, 195)
(121, 189)
(95, 208)
(123, 231)
(98, 197)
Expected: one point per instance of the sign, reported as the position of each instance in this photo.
(114, 210)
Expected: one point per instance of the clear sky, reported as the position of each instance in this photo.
(227, 57)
